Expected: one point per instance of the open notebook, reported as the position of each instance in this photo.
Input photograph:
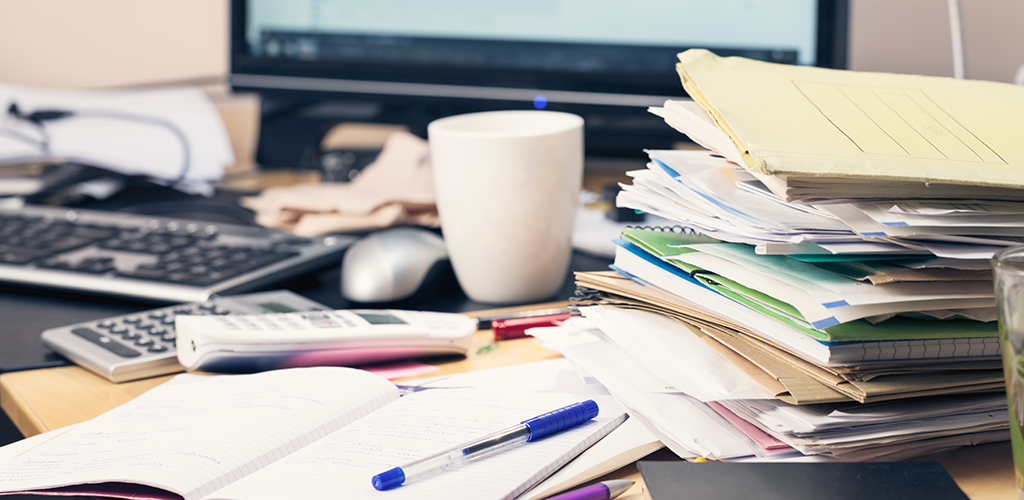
(300, 433)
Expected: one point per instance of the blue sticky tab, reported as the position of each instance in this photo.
(838, 303)
(895, 224)
(873, 234)
(825, 323)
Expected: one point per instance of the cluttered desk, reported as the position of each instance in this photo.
(459, 301)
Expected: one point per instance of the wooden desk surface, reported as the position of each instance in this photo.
(38, 401)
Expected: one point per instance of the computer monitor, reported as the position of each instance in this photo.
(320, 62)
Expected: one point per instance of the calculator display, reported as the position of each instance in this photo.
(276, 307)
(380, 318)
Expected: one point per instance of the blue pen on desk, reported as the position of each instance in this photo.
(525, 432)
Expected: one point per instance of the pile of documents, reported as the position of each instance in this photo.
(825, 292)
(173, 136)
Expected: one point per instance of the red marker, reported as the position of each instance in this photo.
(515, 328)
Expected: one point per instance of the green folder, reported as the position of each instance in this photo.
(664, 244)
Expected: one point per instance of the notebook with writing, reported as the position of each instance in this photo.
(299, 433)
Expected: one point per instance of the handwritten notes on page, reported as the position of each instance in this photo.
(341, 465)
(194, 435)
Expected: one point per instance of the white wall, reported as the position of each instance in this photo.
(101, 43)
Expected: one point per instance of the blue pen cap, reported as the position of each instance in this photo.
(389, 479)
(561, 419)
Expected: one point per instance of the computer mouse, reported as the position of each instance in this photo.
(392, 264)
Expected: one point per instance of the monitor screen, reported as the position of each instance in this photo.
(409, 61)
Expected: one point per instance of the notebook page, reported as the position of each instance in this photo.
(195, 434)
(420, 424)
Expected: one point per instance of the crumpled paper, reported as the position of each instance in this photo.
(397, 188)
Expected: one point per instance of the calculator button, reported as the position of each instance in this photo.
(107, 323)
(209, 306)
(183, 310)
(158, 315)
(131, 336)
(168, 337)
(157, 348)
(156, 331)
(168, 320)
(105, 342)
(144, 327)
(131, 319)
(118, 329)
(144, 342)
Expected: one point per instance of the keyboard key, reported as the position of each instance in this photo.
(21, 255)
(106, 342)
(54, 263)
(97, 265)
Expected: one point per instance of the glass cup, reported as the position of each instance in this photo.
(1009, 290)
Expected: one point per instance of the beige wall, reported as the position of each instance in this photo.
(913, 36)
(101, 43)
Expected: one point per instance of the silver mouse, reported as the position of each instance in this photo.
(390, 264)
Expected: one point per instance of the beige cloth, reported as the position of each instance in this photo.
(397, 188)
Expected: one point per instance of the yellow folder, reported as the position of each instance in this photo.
(816, 127)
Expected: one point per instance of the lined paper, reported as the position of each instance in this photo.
(342, 464)
(194, 435)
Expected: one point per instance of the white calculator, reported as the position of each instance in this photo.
(141, 345)
(239, 344)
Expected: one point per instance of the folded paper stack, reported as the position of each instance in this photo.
(826, 293)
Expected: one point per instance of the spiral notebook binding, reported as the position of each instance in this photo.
(678, 229)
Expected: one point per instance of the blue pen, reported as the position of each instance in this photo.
(527, 430)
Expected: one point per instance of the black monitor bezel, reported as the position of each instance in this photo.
(831, 51)
(610, 101)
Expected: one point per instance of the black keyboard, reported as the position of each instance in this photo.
(154, 258)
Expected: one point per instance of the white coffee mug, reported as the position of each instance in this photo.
(507, 187)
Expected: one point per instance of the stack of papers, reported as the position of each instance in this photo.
(172, 135)
(828, 134)
(838, 302)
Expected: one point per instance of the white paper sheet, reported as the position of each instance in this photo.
(120, 130)
(686, 426)
(667, 348)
